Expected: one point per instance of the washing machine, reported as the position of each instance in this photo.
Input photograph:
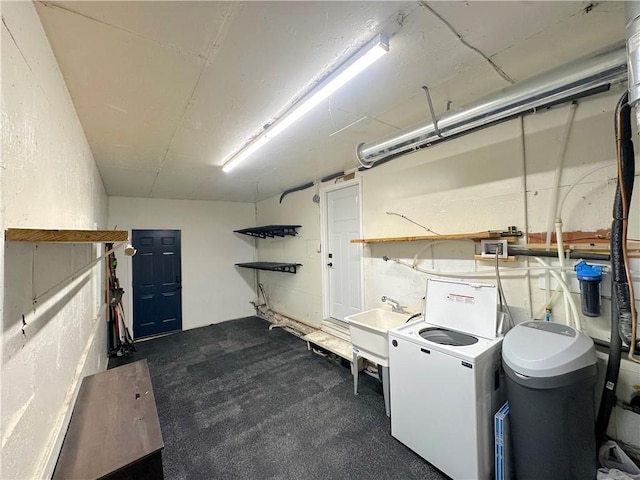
(446, 380)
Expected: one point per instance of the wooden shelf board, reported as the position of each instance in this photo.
(67, 236)
(573, 237)
(493, 259)
(455, 236)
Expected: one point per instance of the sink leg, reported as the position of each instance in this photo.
(385, 390)
(354, 369)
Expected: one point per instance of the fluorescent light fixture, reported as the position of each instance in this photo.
(364, 57)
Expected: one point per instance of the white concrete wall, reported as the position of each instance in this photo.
(49, 180)
(488, 180)
(298, 296)
(213, 288)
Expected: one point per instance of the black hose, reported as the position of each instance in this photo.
(622, 203)
(608, 399)
(620, 292)
(295, 189)
(606, 345)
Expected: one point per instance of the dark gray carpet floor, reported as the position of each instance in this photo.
(237, 401)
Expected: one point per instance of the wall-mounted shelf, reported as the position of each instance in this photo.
(270, 231)
(272, 266)
(64, 236)
(510, 235)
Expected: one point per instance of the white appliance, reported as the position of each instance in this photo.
(445, 379)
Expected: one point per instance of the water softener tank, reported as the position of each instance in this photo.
(550, 378)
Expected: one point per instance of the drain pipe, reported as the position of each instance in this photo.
(560, 85)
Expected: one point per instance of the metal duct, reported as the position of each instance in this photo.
(555, 86)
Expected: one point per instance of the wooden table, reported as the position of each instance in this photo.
(114, 431)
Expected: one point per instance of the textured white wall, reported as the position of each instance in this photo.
(478, 183)
(488, 180)
(213, 288)
(298, 296)
(49, 180)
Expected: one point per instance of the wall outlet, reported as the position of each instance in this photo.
(489, 248)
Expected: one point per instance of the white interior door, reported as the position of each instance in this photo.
(343, 258)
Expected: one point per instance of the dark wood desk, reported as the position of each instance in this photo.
(114, 431)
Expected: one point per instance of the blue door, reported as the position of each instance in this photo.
(157, 282)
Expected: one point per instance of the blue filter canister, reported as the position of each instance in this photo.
(590, 277)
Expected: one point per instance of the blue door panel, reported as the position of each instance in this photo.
(169, 275)
(157, 288)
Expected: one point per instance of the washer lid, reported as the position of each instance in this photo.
(547, 349)
(465, 307)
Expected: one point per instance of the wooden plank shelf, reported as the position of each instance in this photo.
(270, 231)
(271, 266)
(64, 236)
(477, 236)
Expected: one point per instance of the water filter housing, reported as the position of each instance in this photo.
(590, 277)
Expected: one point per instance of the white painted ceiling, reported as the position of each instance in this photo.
(165, 91)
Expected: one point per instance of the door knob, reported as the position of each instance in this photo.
(330, 264)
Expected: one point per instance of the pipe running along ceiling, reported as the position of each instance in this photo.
(559, 85)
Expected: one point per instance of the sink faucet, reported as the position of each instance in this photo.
(395, 305)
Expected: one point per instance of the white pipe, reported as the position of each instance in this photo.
(567, 292)
(543, 310)
(563, 273)
(475, 273)
(525, 207)
(553, 202)
(433, 244)
(576, 182)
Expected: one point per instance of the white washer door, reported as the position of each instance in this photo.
(433, 408)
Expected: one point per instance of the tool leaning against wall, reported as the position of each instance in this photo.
(120, 341)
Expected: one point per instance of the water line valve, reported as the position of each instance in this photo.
(590, 277)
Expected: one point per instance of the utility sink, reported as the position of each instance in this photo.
(369, 333)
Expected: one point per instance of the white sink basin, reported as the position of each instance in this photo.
(369, 333)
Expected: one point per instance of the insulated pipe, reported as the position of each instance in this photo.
(619, 262)
(555, 86)
(620, 293)
(608, 399)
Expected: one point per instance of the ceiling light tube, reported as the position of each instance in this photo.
(365, 57)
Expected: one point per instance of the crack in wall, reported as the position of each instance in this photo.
(135, 34)
(212, 50)
(498, 70)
